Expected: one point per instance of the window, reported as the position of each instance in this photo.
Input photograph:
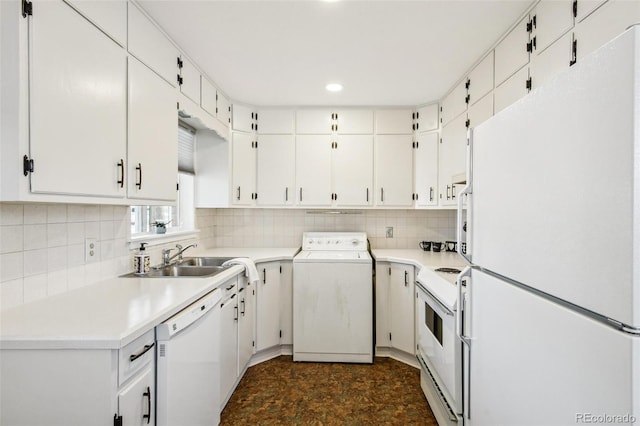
(149, 219)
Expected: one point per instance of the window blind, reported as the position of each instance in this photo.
(186, 139)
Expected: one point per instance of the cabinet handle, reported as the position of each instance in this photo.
(230, 287)
(264, 276)
(286, 193)
(121, 180)
(406, 278)
(300, 194)
(139, 180)
(453, 192)
(382, 195)
(448, 192)
(367, 195)
(431, 193)
(236, 313)
(238, 197)
(147, 394)
(144, 350)
(243, 307)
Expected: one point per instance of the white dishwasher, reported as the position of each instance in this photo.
(333, 298)
(188, 365)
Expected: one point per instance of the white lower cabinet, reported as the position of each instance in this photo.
(136, 402)
(286, 303)
(395, 322)
(228, 344)
(246, 321)
(268, 306)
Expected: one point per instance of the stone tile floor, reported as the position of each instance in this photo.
(280, 391)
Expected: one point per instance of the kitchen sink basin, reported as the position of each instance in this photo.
(203, 261)
(179, 271)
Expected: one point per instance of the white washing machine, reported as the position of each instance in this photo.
(333, 298)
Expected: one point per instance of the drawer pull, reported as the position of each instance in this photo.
(144, 350)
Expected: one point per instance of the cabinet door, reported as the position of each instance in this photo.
(109, 16)
(228, 348)
(286, 303)
(394, 174)
(426, 169)
(243, 164)
(77, 105)
(313, 122)
(455, 103)
(481, 111)
(585, 7)
(153, 136)
(453, 155)
(394, 122)
(511, 54)
(511, 90)
(276, 170)
(190, 80)
(136, 402)
(553, 19)
(383, 273)
(313, 170)
(246, 321)
(268, 306)
(355, 122)
(428, 118)
(150, 46)
(353, 170)
(552, 61)
(223, 109)
(481, 79)
(243, 118)
(606, 23)
(275, 122)
(401, 308)
(208, 100)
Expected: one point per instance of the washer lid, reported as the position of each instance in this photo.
(333, 256)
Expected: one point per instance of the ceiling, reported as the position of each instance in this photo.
(383, 52)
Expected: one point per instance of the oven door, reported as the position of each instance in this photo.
(439, 347)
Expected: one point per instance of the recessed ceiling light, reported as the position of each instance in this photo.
(334, 87)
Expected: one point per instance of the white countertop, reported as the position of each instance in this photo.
(112, 313)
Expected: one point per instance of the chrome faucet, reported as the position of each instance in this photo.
(166, 259)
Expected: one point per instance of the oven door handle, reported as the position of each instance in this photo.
(444, 307)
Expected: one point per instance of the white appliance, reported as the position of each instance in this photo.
(552, 312)
(188, 365)
(333, 298)
(439, 351)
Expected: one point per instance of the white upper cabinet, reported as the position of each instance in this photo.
(223, 109)
(243, 119)
(354, 121)
(78, 106)
(511, 54)
(481, 111)
(607, 22)
(276, 169)
(313, 121)
(426, 169)
(243, 179)
(551, 19)
(455, 103)
(189, 80)
(394, 171)
(551, 61)
(313, 170)
(275, 121)
(480, 80)
(511, 90)
(353, 170)
(109, 16)
(208, 100)
(153, 135)
(428, 118)
(394, 122)
(150, 46)
(453, 155)
(585, 7)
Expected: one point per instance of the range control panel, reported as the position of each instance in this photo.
(328, 241)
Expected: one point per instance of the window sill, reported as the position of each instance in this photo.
(160, 239)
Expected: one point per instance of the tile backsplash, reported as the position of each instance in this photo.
(284, 227)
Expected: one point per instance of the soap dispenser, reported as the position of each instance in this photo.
(141, 261)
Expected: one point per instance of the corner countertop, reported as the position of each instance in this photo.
(114, 312)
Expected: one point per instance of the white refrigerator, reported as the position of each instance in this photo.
(550, 319)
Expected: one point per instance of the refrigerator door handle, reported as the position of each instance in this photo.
(468, 191)
(465, 275)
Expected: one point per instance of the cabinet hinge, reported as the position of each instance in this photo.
(467, 99)
(418, 115)
(177, 186)
(413, 126)
(389, 336)
(389, 270)
(413, 116)
(467, 123)
(117, 420)
(528, 84)
(179, 79)
(467, 84)
(575, 8)
(253, 343)
(27, 165)
(280, 268)
(574, 53)
(27, 8)
(179, 63)
(530, 47)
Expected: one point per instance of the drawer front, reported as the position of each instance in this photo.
(135, 356)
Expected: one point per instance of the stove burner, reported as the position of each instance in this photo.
(449, 270)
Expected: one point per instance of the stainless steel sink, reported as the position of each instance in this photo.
(203, 261)
(188, 267)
